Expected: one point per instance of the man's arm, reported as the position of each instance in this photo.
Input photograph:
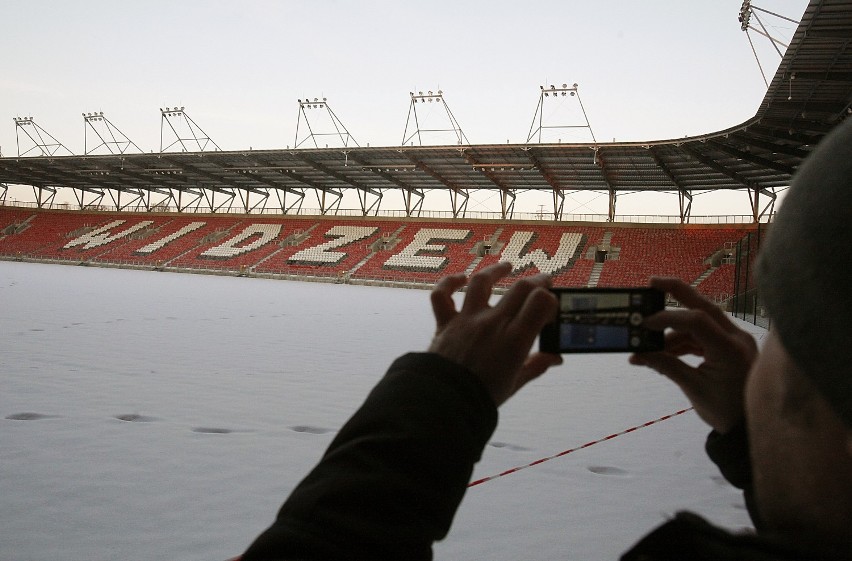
(391, 480)
(715, 386)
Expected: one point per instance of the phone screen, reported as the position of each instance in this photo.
(603, 320)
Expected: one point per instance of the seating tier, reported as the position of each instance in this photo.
(647, 252)
(371, 248)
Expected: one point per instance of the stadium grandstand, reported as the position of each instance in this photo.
(244, 213)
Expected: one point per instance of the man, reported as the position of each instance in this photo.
(391, 480)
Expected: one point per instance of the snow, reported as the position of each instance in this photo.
(148, 415)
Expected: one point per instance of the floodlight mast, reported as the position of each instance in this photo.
(112, 139)
(430, 97)
(538, 118)
(48, 146)
(747, 11)
(198, 139)
(340, 131)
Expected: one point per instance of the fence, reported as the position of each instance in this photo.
(438, 214)
(747, 303)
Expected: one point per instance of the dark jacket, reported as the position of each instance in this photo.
(392, 479)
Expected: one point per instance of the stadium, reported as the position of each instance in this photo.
(243, 212)
(246, 215)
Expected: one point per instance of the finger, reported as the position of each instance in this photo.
(481, 284)
(539, 308)
(691, 298)
(669, 366)
(515, 298)
(443, 306)
(679, 343)
(704, 330)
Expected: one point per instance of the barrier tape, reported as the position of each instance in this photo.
(586, 445)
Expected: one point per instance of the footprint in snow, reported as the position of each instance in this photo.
(29, 416)
(212, 430)
(134, 418)
(310, 430)
(507, 446)
(607, 470)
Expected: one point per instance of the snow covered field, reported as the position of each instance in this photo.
(149, 415)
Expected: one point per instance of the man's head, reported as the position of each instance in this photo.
(805, 269)
(801, 452)
(799, 392)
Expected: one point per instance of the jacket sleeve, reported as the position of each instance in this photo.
(730, 453)
(390, 482)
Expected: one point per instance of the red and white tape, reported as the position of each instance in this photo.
(586, 445)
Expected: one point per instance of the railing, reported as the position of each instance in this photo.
(437, 214)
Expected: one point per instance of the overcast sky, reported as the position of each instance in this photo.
(646, 70)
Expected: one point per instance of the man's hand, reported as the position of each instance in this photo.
(716, 386)
(494, 342)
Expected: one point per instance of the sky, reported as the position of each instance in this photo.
(646, 70)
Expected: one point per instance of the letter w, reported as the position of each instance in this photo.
(569, 245)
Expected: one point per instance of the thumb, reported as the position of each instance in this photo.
(669, 366)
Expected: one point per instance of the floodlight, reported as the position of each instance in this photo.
(181, 108)
(564, 85)
(440, 92)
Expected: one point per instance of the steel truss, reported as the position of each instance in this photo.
(111, 138)
(437, 99)
(42, 141)
(768, 209)
(188, 135)
(551, 95)
(331, 122)
(748, 11)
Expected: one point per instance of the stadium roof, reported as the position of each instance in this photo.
(810, 93)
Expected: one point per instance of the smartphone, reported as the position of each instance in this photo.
(603, 320)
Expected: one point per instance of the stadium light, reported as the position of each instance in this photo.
(745, 14)
(430, 96)
(555, 92)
